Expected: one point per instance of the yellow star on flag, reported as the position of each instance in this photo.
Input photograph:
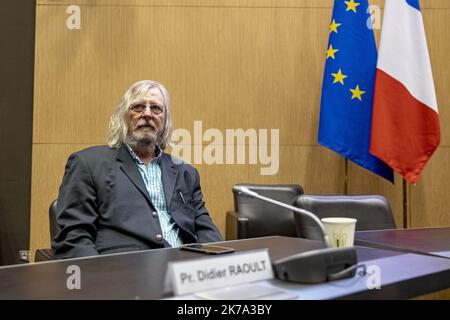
(331, 51)
(339, 77)
(351, 5)
(334, 26)
(357, 93)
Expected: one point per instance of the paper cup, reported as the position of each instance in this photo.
(341, 231)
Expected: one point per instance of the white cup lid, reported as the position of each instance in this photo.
(339, 220)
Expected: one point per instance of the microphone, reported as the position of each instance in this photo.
(252, 194)
(313, 266)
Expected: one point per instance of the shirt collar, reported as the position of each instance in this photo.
(136, 159)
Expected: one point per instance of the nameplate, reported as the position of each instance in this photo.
(191, 276)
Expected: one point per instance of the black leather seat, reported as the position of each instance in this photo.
(253, 218)
(54, 228)
(372, 212)
(48, 254)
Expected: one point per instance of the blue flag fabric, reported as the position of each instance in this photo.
(348, 86)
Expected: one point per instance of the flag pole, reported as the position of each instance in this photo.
(346, 177)
(405, 204)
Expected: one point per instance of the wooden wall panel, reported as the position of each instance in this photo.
(430, 200)
(199, 53)
(439, 46)
(434, 4)
(217, 182)
(315, 168)
(199, 3)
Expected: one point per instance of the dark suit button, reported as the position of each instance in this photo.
(159, 237)
(155, 214)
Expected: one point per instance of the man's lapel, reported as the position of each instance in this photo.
(131, 170)
(169, 173)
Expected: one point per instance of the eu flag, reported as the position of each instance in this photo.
(348, 86)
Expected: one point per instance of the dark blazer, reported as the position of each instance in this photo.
(104, 207)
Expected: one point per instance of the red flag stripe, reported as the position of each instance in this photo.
(406, 131)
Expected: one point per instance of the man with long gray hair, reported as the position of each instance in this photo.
(130, 195)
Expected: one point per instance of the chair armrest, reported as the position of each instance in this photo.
(44, 255)
(235, 226)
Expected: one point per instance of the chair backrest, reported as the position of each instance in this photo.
(372, 212)
(265, 219)
(54, 228)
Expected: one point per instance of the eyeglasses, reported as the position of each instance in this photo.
(154, 108)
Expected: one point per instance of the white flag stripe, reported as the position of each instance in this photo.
(403, 51)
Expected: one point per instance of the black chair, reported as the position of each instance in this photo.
(372, 212)
(48, 254)
(253, 218)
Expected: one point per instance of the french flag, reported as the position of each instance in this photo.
(405, 122)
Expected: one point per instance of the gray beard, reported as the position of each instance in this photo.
(142, 141)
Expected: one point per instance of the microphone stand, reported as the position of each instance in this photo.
(249, 193)
(312, 266)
